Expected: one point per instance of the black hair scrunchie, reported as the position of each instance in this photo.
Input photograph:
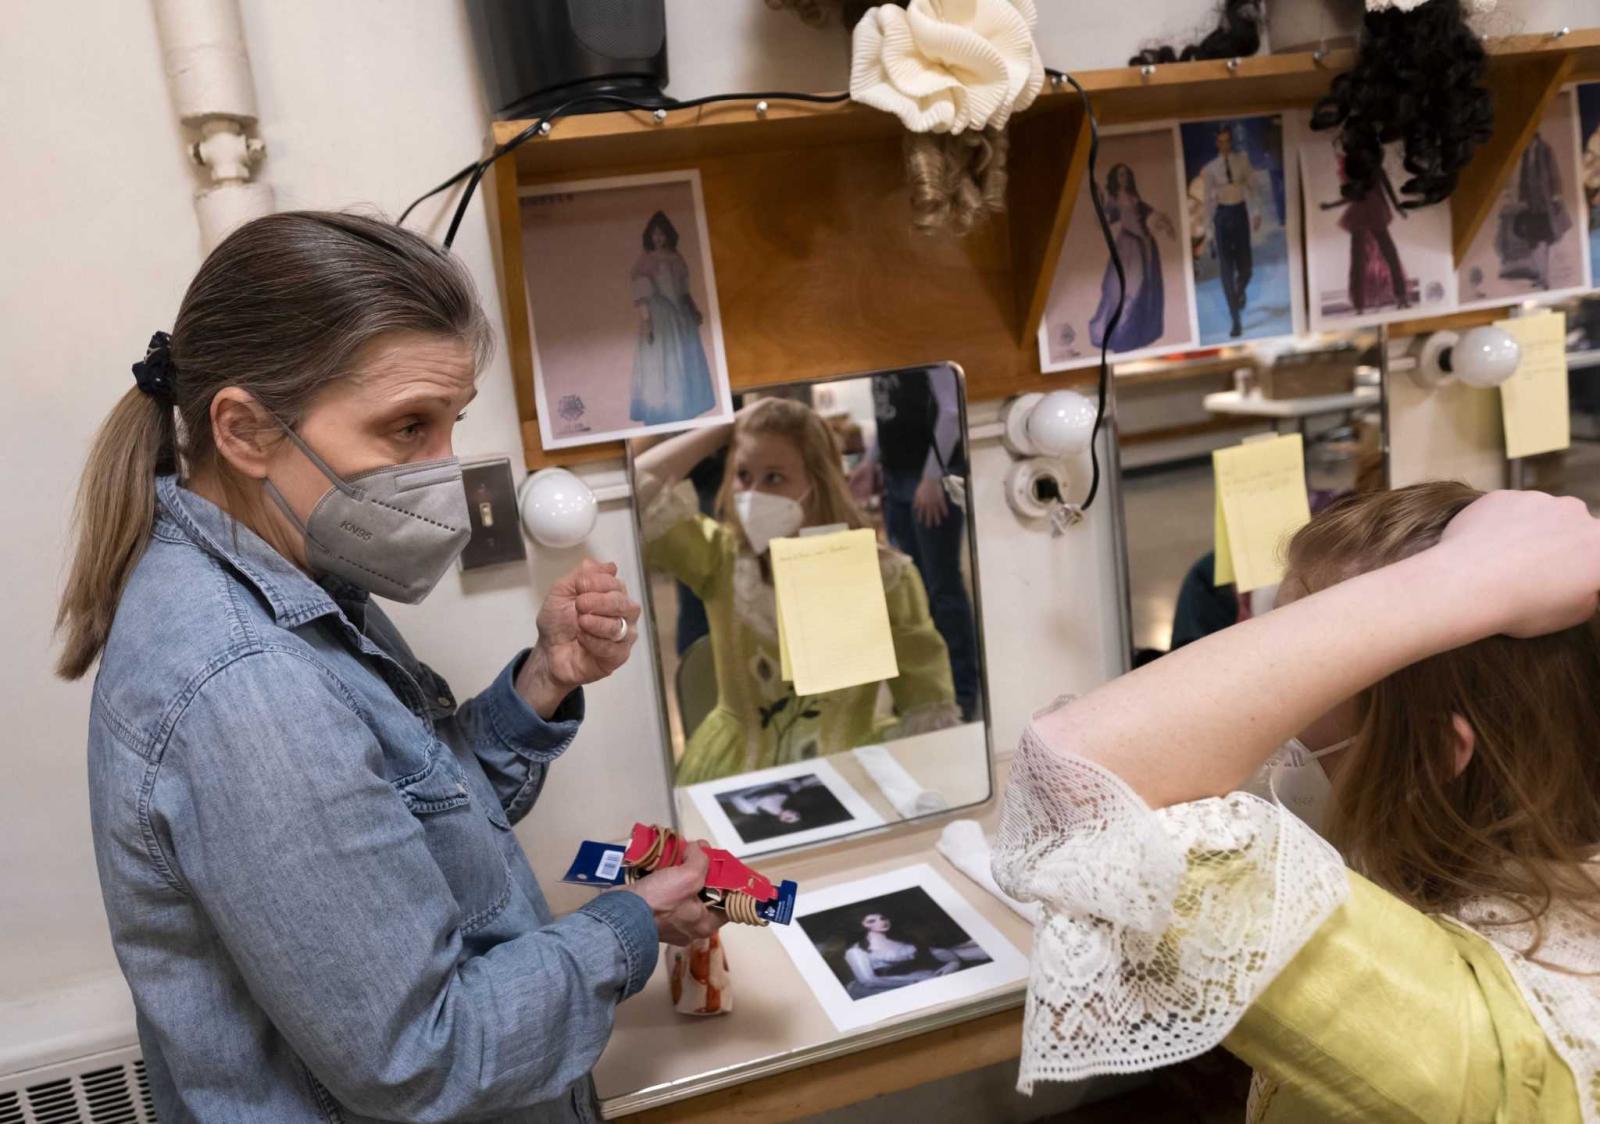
(155, 373)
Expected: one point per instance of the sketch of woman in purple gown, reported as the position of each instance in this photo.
(1134, 225)
(671, 378)
(1377, 275)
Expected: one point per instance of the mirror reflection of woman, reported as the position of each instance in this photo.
(879, 962)
(671, 379)
(1134, 225)
(783, 474)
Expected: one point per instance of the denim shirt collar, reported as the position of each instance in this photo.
(293, 595)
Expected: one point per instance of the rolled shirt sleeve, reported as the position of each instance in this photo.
(272, 808)
(512, 743)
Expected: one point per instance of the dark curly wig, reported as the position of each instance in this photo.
(1418, 79)
(1238, 33)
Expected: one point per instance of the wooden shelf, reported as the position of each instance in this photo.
(818, 268)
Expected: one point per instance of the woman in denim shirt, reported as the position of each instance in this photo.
(304, 841)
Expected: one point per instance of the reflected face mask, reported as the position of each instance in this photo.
(765, 517)
(1299, 783)
(393, 531)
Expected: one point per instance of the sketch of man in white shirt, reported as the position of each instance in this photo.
(1235, 207)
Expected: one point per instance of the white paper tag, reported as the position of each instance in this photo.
(609, 865)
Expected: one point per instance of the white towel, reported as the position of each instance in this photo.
(899, 787)
(967, 848)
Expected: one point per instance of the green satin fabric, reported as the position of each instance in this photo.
(1388, 1016)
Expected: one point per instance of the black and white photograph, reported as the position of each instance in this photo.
(896, 940)
(895, 943)
(783, 806)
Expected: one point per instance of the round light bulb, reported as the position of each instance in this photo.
(1061, 423)
(1485, 357)
(558, 509)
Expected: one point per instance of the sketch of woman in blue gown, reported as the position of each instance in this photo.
(671, 379)
(1134, 225)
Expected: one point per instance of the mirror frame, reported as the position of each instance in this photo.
(658, 669)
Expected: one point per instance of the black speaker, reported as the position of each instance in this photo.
(537, 54)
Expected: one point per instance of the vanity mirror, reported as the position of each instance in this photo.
(849, 494)
(1172, 414)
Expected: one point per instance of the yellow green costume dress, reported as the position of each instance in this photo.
(758, 720)
(1230, 922)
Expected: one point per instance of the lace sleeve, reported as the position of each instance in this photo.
(1157, 929)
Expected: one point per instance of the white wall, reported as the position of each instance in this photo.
(362, 102)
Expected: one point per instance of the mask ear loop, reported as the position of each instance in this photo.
(321, 465)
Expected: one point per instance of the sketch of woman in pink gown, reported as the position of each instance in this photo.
(1134, 225)
(1377, 276)
(671, 378)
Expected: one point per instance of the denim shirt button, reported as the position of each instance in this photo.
(444, 700)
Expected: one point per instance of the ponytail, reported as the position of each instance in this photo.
(112, 519)
(282, 309)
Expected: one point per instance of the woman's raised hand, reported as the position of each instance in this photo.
(587, 626)
(1529, 561)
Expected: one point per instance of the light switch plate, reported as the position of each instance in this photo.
(492, 508)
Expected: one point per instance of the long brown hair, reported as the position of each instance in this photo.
(1521, 819)
(819, 452)
(280, 308)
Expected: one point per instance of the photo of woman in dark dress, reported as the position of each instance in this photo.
(890, 941)
(1134, 225)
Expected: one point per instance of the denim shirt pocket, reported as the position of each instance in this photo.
(462, 839)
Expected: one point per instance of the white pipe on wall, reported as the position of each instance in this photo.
(208, 71)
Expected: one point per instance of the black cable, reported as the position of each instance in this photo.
(476, 169)
(1122, 287)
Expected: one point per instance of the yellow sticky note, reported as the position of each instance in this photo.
(1222, 554)
(1261, 489)
(1533, 402)
(833, 616)
(785, 672)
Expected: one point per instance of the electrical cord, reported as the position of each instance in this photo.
(474, 172)
(1122, 289)
(476, 169)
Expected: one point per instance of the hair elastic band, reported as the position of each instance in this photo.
(155, 373)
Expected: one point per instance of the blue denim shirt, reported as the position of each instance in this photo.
(305, 849)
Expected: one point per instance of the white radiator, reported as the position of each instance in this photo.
(107, 1088)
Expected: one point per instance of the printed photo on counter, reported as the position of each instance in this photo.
(895, 943)
(1141, 184)
(627, 339)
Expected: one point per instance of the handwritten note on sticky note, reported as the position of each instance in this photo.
(1533, 401)
(1261, 489)
(833, 617)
